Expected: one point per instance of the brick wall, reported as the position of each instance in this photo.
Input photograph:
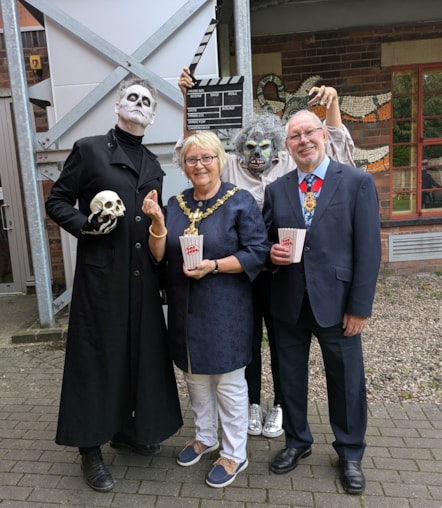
(34, 43)
(407, 267)
(55, 249)
(350, 61)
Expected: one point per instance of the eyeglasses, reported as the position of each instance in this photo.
(205, 160)
(308, 134)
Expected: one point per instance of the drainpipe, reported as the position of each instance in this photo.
(243, 48)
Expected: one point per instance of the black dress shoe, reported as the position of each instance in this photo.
(121, 440)
(352, 477)
(95, 473)
(287, 459)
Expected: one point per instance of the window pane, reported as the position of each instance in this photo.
(433, 128)
(433, 105)
(403, 203)
(432, 187)
(432, 177)
(434, 152)
(405, 81)
(404, 180)
(432, 80)
(404, 156)
(404, 132)
(402, 107)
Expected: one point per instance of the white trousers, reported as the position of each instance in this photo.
(224, 396)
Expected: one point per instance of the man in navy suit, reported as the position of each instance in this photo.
(329, 294)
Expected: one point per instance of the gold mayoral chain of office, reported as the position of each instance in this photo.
(310, 198)
(198, 215)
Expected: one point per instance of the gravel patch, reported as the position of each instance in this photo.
(402, 345)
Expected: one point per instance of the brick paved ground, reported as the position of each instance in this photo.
(403, 461)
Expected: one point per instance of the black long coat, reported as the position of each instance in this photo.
(118, 375)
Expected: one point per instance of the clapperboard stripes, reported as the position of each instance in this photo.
(214, 103)
(202, 46)
(227, 80)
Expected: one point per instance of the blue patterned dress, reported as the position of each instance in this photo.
(210, 320)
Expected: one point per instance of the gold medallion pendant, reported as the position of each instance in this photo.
(309, 201)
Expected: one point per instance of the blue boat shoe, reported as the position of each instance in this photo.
(224, 472)
(193, 451)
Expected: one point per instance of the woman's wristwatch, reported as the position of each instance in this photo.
(216, 267)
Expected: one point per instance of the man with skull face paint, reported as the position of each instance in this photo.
(260, 159)
(118, 382)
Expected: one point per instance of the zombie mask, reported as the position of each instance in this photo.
(258, 151)
(136, 106)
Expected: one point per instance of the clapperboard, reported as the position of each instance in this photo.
(213, 103)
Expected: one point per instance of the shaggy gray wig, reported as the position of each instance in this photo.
(268, 124)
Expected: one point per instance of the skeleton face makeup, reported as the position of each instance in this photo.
(258, 151)
(137, 106)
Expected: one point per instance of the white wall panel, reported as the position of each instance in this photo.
(76, 68)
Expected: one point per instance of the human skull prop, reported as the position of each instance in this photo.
(110, 205)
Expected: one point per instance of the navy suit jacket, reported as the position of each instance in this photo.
(342, 250)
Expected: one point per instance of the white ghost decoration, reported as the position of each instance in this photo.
(110, 205)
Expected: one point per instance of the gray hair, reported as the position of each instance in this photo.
(124, 85)
(303, 112)
(267, 124)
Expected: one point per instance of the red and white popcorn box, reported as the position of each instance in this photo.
(294, 239)
(192, 249)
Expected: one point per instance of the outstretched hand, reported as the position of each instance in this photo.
(324, 95)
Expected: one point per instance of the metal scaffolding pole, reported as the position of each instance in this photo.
(243, 46)
(22, 116)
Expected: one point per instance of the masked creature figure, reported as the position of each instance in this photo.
(259, 142)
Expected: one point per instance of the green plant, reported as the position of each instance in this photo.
(265, 337)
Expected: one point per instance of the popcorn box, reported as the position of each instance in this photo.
(192, 250)
(294, 239)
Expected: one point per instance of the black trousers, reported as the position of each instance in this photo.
(261, 310)
(344, 368)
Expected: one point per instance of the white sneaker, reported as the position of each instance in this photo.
(255, 420)
(273, 424)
